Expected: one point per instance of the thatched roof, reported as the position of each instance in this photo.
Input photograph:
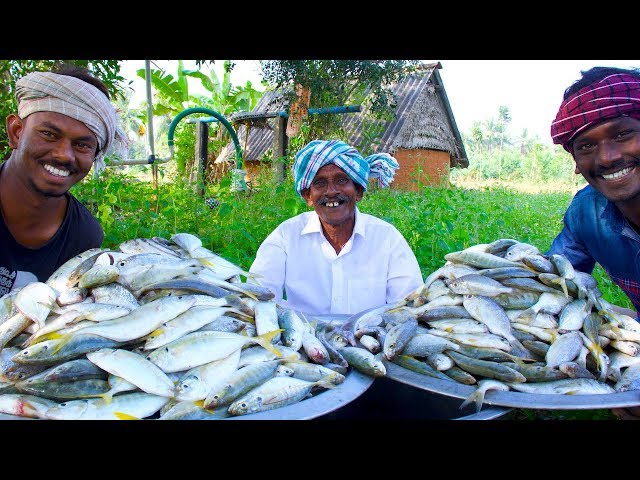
(423, 120)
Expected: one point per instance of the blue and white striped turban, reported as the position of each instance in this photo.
(75, 98)
(319, 153)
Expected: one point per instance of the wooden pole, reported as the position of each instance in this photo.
(202, 141)
(280, 141)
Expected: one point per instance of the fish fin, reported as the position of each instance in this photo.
(64, 339)
(264, 340)
(125, 416)
(42, 338)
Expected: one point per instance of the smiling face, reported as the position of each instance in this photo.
(333, 195)
(54, 151)
(608, 157)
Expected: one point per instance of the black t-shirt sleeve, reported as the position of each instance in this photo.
(19, 265)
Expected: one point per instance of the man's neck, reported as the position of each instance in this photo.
(338, 235)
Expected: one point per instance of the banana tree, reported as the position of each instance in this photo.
(223, 97)
(172, 96)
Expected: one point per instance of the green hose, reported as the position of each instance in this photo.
(224, 121)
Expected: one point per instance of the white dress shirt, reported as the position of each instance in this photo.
(375, 267)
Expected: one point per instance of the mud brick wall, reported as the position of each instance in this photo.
(421, 167)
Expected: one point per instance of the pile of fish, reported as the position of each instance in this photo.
(504, 316)
(162, 329)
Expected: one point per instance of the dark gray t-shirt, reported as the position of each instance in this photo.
(20, 265)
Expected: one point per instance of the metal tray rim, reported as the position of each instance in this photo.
(514, 399)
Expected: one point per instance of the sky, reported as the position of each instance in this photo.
(531, 89)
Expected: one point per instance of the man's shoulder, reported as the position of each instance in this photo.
(588, 197)
(371, 221)
(299, 220)
(83, 220)
(79, 208)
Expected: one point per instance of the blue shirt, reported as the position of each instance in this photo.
(595, 231)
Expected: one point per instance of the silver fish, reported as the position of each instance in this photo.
(567, 386)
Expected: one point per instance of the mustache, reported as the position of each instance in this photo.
(338, 198)
(631, 161)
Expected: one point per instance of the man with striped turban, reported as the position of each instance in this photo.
(65, 123)
(599, 124)
(336, 259)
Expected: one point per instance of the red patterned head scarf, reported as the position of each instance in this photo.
(614, 96)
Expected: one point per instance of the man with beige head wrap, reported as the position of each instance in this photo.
(65, 123)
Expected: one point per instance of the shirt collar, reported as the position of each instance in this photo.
(613, 216)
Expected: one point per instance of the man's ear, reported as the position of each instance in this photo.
(306, 197)
(359, 192)
(576, 170)
(14, 126)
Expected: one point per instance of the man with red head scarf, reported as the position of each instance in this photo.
(599, 124)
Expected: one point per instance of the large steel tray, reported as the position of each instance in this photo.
(322, 403)
(510, 398)
(354, 385)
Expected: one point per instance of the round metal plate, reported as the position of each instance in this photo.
(354, 385)
(322, 403)
(510, 398)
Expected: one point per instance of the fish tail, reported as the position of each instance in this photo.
(327, 382)
(264, 340)
(477, 396)
(563, 283)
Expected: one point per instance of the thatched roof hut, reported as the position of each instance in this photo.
(423, 135)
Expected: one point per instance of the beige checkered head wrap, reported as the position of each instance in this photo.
(51, 92)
